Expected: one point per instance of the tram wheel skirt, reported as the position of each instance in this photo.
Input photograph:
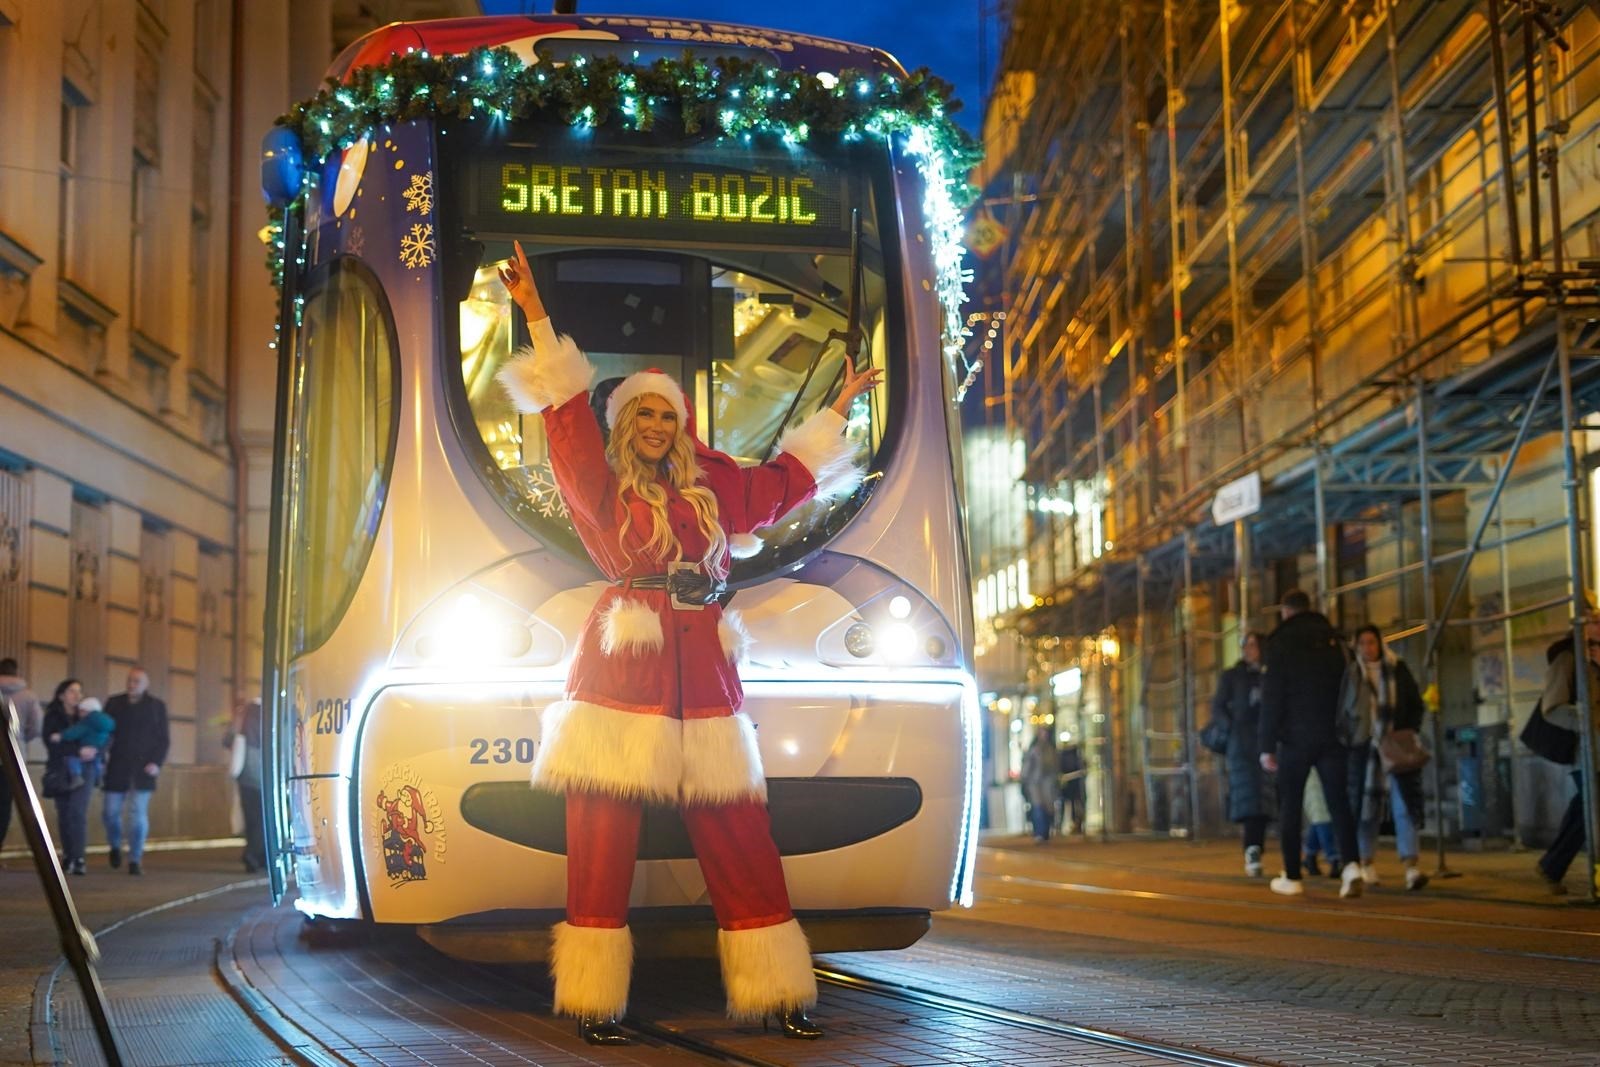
(670, 933)
(808, 815)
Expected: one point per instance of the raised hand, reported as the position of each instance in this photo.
(518, 280)
(855, 383)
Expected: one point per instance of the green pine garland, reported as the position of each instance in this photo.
(728, 94)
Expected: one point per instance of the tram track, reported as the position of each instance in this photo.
(1120, 1042)
(378, 979)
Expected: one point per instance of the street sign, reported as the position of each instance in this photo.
(1237, 500)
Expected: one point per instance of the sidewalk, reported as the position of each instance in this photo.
(30, 947)
(1498, 875)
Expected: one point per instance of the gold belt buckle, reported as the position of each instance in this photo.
(678, 566)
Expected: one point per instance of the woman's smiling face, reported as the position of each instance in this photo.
(655, 428)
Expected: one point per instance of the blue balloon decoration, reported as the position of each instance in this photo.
(282, 166)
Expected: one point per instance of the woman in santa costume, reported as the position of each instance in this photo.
(651, 713)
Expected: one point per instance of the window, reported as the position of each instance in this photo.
(744, 332)
(68, 255)
(205, 349)
(143, 228)
(147, 96)
(728, 268)
(346, 392)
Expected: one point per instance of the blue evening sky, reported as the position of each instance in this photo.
(940, 34)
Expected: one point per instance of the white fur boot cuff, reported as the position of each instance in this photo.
(591, 966)
(766, 969)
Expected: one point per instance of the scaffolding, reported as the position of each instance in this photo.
(1349, 248)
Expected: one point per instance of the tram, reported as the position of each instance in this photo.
(426, 587)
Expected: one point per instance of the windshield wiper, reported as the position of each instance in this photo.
(850, 336)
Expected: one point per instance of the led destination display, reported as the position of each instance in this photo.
(641, 198)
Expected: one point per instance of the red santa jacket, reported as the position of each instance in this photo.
(651, 710)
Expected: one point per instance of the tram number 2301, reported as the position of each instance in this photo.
(331, 716)
(501, 750)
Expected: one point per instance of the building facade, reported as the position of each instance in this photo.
(136, 318)
(1303, 295)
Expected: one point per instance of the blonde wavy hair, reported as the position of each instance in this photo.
(680, 470)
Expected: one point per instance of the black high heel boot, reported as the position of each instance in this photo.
(794, 1024)
(603, 1032)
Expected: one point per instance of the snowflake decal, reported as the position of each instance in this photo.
(543, 493)
(355, 241)
(416, 247)
(419, 194)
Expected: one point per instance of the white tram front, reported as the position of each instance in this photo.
(427, 585)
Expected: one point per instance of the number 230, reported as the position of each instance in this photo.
(501, 750)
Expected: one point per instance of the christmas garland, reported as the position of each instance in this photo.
(729, 96)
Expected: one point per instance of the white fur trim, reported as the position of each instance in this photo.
(820, 445)
(595, 749)
(721, 761)
(735, 638)
(644, 383)
(745, 545)
(591, 966)
(766, 969)
(630, 626)
(548, 374)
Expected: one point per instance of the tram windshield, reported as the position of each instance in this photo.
(729, 270)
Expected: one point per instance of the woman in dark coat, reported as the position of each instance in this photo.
(1237, 703)
(72, 808)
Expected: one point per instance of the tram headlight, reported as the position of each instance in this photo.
(899, 642)
(470, 631)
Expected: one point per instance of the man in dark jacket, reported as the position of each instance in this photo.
(1299, 716)
(138, 749)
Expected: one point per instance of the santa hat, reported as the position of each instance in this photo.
(644, 383)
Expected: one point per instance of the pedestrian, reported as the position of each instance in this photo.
(1305, 665)
(653, 694)
(1380, 694)
(243, 741)
(1560, 690)
(137, 753)
(14, 687)
(1070, 805)
(72, 806)
(1040, 777)
(1237, 706)
(1319, 829)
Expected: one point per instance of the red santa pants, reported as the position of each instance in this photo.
(733, 843)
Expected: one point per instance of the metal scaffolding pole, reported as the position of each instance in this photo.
(1502, 136)
(1575, 585)
(1590, 745)
(1192, 774)
(1324, 578)
(1430, 665)
(1242, 562)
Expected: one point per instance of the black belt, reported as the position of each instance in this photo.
(688, 587)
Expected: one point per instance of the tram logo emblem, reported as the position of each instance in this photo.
(409, 826)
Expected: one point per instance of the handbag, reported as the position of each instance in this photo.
(57, 782)
(1401, 751)
(1555, 743)
(1214, 735)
